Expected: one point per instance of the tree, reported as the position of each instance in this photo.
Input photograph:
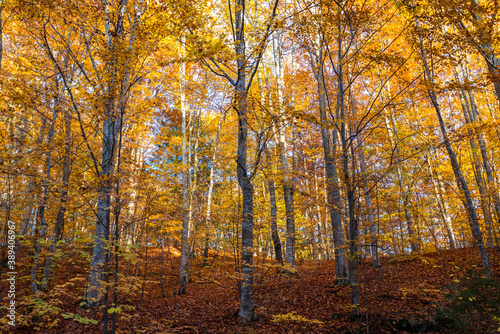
(474, 223)
(244, 171)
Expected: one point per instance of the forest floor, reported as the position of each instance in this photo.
(432, 293)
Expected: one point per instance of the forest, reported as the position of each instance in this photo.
(279, 166)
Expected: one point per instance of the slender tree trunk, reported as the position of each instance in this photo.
(273, 208)
(247, 305)
(348, 182)
(390, 124)
(319, 221)
(462, 184)
(58, 227)
(368, 199)
(118, 204)
(26, 217)
(478, 170)
(183, 275)
(274, 225)
(208, 217)
(193, 185)
(28, 211)
(42, 223)
(333, 188)
(294, 165)
(312, 236)
(443, 206)
(491, 184)
(282, 150)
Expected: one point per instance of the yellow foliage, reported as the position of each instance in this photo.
(293, 316)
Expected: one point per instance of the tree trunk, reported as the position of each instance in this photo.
(247, 305)
(320, 223)
(282, 150)
(403, 186)
(290, 214)
(28, 210)
(491, 184)
(442, 205)
(183, 275)
(462, 184)
(110, 129)
(58, 227)
(103, 209)
(478, 170)
(333, 188)
(26, 217)
(208, 217)
(42, 223)
(368, 199)
(348, 182)
(274, 226)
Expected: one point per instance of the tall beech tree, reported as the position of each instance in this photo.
(245, 172)
(460, 179)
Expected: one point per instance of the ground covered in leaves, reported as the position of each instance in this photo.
(433, 293)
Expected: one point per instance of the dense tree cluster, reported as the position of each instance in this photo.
(272, 131)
